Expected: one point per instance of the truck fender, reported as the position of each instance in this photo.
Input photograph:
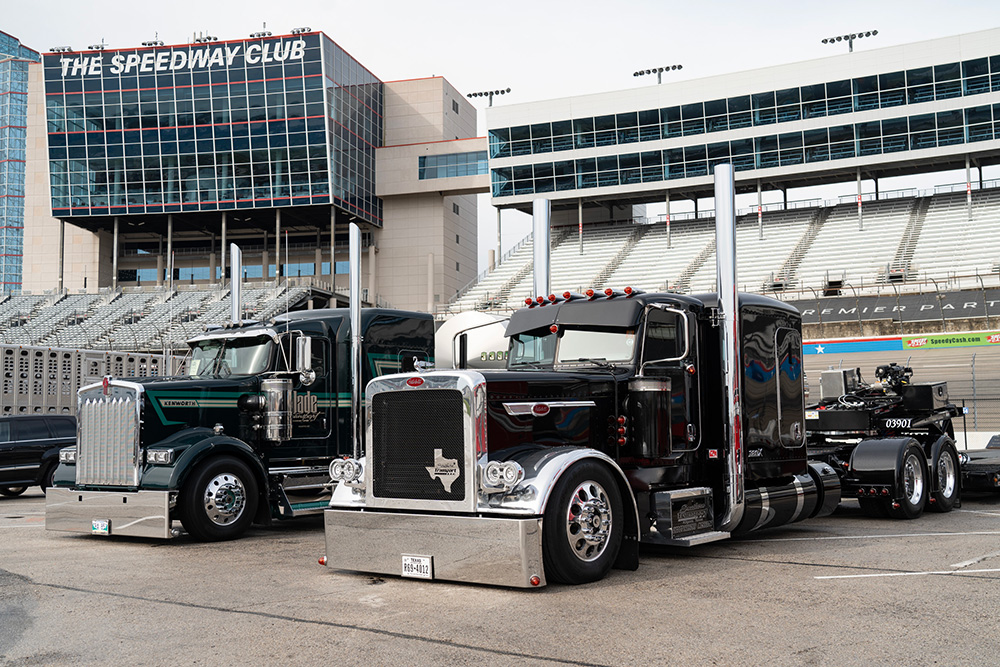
(544, 465)
(877, 461)
(199, 444)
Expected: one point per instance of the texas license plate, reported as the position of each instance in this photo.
(418, 567)
(100, 526)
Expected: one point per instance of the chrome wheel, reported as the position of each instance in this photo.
(225, 499)
(913, 480)
(588, 521)
(947, 476)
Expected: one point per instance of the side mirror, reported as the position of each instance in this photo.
(303, 360)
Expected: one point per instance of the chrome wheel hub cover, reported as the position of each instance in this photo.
(913, 480)
(946, 476)
(588, 521)
(225, 499)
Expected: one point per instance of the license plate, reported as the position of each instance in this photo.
(100, 526)
(418, 567)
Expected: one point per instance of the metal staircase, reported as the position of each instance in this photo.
(785, 277)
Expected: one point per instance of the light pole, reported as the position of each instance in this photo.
(489, 94)
(658, 71)
(849, 38)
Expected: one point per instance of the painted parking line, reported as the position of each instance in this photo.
(977, 559)
(905, 574)
(996, 513)
(870, 537)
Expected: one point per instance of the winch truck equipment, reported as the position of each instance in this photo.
(622, 418)
(891, 442)
(247, 436)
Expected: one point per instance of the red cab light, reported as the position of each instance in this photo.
(609, 291)
(415, 382)
(554, 328)
(528, 301)
(628, 290)
(552, 298)
(540, 299)
(567, 295)
(589, 293)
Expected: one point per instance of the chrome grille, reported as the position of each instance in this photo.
(107, 448)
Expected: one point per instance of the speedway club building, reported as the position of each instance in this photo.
(154, 159)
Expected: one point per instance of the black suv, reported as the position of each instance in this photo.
(29, 450)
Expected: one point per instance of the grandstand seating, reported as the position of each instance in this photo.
(904, 240)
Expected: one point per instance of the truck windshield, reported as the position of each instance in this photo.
(233, 356)
(571, 346)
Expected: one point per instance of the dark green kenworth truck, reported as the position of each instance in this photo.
(246, 436)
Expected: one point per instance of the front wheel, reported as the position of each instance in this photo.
(945, 475)
(219, 500)
(12, 491)
(583, 525)
(912, 478)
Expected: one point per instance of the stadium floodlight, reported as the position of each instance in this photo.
(153, 42)
(97, 47)
(203, 39)
(489, 94)
(259, 34)
(849, 38)
(61, 49)
(658, 71)
(299, 31)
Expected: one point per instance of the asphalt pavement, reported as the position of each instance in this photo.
(840, 590)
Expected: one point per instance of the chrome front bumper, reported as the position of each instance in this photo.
(499, 552)
(128, 513)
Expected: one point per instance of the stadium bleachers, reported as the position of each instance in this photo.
(906, 240)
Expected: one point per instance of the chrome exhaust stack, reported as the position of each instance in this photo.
(354, 284)
(725, 244)
(541, 211)
(236, 284)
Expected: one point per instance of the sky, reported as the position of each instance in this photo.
(540, 49)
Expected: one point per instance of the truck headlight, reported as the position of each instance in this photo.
(68, 455)
(500, 476)
(345, 470)
(159, 457)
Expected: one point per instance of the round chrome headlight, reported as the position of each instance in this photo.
(512, 473)
(494, 473)
(337, 470)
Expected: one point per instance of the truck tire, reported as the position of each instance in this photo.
(12, 491)
(47, 478)
(583, 525)
(219, 500)
(945, 474)
(913, 484)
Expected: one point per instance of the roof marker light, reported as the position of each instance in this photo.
(553, 298)
(528, 301)
(590, 294)
(554, 328)
(540, 299)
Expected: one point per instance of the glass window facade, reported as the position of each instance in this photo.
(453, 164)
(958, 79)
(928, 130)
(258, 123)
(14, 62)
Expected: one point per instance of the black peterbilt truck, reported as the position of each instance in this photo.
(891, 442)
(246, 436)
(621, 418)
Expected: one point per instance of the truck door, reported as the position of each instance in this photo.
(668, 354)
(312, 412)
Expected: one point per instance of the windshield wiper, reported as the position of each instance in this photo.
(599, 362)
(527, 364)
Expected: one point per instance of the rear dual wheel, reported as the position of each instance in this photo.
(912, 478)
(945, 475)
